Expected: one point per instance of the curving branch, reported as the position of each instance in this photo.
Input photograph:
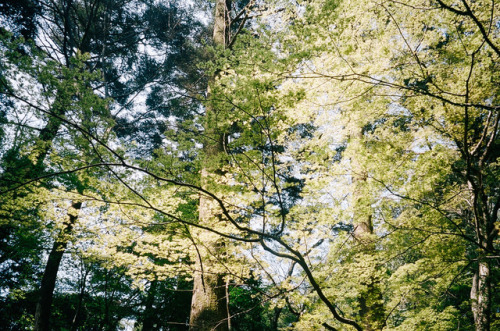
(468, 12)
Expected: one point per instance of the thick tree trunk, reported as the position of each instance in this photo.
(481, 296)
(46, 294)
(208, 307)
(209, 303)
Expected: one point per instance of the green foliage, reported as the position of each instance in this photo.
(398, 91)
(355, 139)
(248, 309)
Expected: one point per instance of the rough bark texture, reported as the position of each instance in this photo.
(485, 207)
(44, 303)
(209, 303)
(208, 306)
(481, 296)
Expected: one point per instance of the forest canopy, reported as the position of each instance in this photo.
(249, 165)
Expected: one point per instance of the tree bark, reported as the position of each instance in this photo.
(486, 233)
(41, 149)
(46, 294)
(481, 296)
(208, 307)
(209, 303)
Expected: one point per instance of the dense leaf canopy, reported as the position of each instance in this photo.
(249, 165)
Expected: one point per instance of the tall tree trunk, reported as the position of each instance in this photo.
(481, 296)
(14, 175)
(486, 234)
(485, 217)
(44, 303)
(208, 304)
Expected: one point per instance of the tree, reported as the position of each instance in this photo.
(209, 302)
(419, 90)
(76, 27)
(341, 142)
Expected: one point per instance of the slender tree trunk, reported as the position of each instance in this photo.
(480, 293)
(226, 294)
(81, 295)
(208, 306)
(107, 302)
(486, 234)
(44, 303)
(40, 151)
(481, 296)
